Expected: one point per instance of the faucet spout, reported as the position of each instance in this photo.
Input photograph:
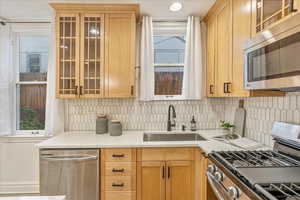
(171, 119)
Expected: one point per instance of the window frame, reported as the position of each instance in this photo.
(17, 32)
(168, 97)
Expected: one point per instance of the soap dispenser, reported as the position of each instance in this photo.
(193, 124)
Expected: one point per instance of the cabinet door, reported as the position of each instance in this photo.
(120, 55)
(241, 32)
(269, 12)
(211, 42)
(151, 180)
(180, 180)
(92, 56)
(67, 48)
(224, 49)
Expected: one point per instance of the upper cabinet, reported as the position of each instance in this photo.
(229, 25)
(268, 12)
(95, 50)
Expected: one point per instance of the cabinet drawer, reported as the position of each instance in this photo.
(120, 169)
(165, 154)
(119, 155)
(119, 183)
(119, 195)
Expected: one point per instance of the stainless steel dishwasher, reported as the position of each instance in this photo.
(74, 173)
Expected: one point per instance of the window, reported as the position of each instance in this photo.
(31, 55)
(169, 52)
(34, 62)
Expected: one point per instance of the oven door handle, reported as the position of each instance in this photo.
(218, 188)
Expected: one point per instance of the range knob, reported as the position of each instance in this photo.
(234, 192)
(211, 169)
(219, 176)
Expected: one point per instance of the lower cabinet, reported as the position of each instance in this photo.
(180, 180)
(165, 176)
(154, 174)
(151, 180)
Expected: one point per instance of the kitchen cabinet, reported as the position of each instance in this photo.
(95, 45)
(167, 174)
(118, 174)
(229, 25)
(211, 66)
(179, 180)
(269, 12)
(151, 183)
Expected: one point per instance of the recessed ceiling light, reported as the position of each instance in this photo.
(175, 6)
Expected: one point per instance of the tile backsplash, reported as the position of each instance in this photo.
(263, 111)
(138, 115)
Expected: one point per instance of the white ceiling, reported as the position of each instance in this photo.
(158, 9)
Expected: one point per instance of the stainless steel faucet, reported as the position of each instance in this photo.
(171, 121)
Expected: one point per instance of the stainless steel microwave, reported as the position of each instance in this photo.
(272, 58)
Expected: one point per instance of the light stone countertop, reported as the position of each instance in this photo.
(34, 198)
(131, 139)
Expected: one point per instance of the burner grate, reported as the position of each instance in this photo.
(240, 159)
(281, 191)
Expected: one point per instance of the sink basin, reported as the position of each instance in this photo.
(158, 137)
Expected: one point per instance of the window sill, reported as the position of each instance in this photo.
(169, 98)
(24, 138)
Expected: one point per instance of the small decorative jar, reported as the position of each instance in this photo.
(115, 128)
(101, 124)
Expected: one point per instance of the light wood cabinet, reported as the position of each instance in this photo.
(211, 66)
(229, 25)
(163, 176)
(120, 51)
(223, 53)
(95, 50)
(151, 180)
(180, 180)
(269, 12)
(118, 174)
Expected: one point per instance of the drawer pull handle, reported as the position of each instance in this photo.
(118, 155)
(169, 172)
(117, 170)
(118, 185)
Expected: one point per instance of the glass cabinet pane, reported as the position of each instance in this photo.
(270, 11)
(92, 53)
(67, 55)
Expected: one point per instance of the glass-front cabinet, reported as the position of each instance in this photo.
(92, 54)
(95, 50)
(67, 55)
(270, 11)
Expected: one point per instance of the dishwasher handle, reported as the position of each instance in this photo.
(80, 157)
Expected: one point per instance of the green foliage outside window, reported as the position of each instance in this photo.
(30, 120)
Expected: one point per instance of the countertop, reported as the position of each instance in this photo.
(34, 198)
(131, 139)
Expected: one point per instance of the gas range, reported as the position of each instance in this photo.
(259, 175)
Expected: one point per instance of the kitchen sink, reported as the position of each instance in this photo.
(157, 137)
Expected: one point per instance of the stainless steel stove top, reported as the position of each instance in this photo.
(256, 159)
(270, 175)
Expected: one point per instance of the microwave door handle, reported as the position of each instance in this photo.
(70, 158)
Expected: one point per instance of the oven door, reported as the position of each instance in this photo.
(218, 188)
(274, 63)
